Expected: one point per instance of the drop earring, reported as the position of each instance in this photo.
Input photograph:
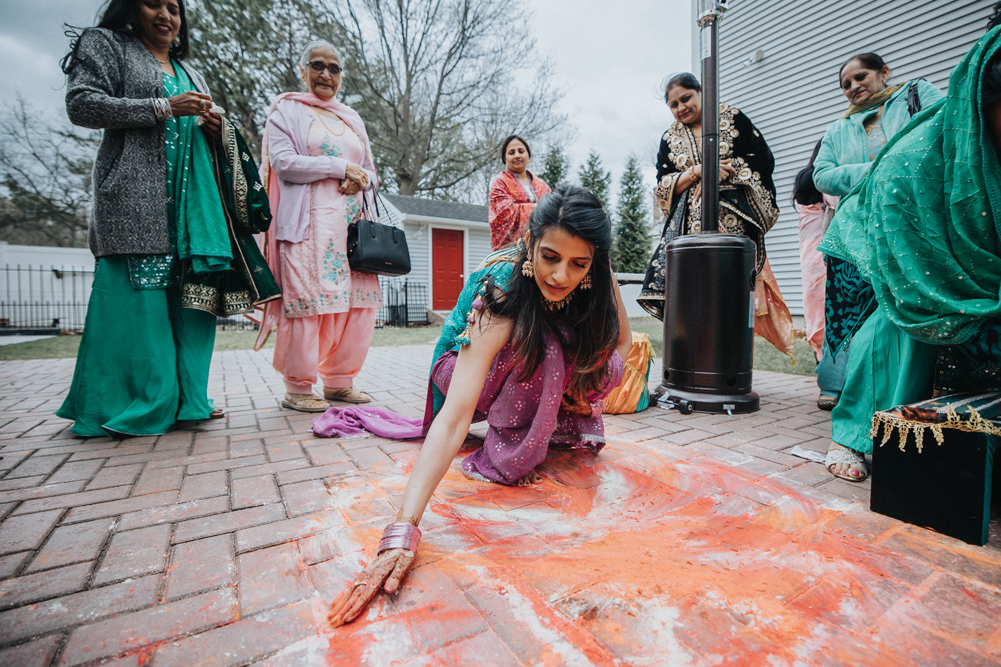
(586, 283)
(528, 269)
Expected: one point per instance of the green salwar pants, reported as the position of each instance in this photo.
(886, 368)
(143, 362)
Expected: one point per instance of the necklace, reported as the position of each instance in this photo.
(553, 306)
(344, 125)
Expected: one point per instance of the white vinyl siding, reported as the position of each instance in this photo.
(792, 94)
(417, 243)
(478, 240)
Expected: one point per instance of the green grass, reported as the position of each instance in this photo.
(65, 347)
(766, 357)
(60, 347)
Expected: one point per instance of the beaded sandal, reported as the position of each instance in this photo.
(854, 460)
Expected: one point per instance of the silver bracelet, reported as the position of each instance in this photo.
(400, 536)
(161, 105)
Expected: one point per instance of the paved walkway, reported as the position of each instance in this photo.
(690, 540)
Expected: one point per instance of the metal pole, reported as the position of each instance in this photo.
(710, 13)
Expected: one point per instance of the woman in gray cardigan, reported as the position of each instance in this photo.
(144, 358)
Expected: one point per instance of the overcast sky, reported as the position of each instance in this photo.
(608, 61)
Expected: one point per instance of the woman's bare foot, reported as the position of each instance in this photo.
(846, 463)
(529, 479)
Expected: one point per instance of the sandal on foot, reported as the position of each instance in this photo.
(218, 413)
(826, 402)
(346, 394)
(854, 460)
(305, 403)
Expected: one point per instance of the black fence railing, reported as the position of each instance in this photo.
(44, 298)
(404, 303)
(34, 298)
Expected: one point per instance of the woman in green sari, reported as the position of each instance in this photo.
(162, 234)
(924, 229)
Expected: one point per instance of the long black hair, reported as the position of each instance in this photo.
(122, 18)
(592, 317)
(990, 82)
(995, 18)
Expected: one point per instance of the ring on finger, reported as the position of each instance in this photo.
(360, 583)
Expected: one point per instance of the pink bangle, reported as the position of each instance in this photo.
(400, 536)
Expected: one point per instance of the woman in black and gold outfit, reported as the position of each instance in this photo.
(746, 199)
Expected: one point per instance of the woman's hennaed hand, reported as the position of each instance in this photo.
(349, 187)
(726, 170)
(385, 572)
(355, 173)
(190, 104)
(212, 125)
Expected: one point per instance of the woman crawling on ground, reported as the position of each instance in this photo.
(534, 343)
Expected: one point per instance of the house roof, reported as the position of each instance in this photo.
(427, 208)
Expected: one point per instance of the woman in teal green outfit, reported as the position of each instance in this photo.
(161, 232)
(877, 112)
(924, 229)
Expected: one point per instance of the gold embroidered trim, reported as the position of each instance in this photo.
(665, 192)
(239, 179)
(237, 303)
(891, 422)
(760, 198)
(200, 297)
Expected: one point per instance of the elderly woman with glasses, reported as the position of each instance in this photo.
(317, 165)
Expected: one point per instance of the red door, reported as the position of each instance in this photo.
(446, 267)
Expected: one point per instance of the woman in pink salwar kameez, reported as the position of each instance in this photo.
(814, 209)
(317, 165)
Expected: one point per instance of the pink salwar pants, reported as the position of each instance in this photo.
(331, 346)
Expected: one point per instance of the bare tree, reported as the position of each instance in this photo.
(45, 178)
(248, 51)
(436, 82)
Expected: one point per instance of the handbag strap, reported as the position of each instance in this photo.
(366, 209)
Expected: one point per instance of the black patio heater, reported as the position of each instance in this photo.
(709, 279)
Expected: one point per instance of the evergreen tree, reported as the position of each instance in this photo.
(595, 179)
(555, 167)
(631, 248)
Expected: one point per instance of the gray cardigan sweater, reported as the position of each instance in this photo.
(111, 88)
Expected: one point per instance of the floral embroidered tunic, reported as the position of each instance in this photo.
(316, 278)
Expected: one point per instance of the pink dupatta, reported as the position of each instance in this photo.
(272, 311)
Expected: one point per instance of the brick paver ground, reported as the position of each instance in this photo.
(690, 540)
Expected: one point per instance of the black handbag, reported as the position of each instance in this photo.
(377, 248)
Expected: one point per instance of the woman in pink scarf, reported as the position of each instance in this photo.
(513, 194)
(317, 165)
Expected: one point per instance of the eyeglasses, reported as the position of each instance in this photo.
(318, 66)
